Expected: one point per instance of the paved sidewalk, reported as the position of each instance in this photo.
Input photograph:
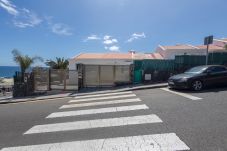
(120, 89)
(34, 98)
(83, 92)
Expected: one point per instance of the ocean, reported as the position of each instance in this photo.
(8, 71)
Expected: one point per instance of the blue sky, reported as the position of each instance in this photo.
(65, 28)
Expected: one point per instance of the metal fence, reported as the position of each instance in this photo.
(152, 70)
(160, 70)
(55, 79)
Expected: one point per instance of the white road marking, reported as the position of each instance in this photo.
(98, 123)
(106, 94)
(155, 142)
(102, 98)
(98, 111)
(100, 103)
(182, 94)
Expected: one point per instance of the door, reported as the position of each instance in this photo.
(138, 76)
(122, 74)
(91, 76)
(216, 75)
(106, 75)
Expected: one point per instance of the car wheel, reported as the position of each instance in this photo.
(197, 85)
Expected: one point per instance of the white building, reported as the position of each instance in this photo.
(102, 69)
(106, 69)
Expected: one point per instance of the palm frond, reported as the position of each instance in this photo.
(60, 63)
(24, 61)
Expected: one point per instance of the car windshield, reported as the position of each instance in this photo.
(196, 70)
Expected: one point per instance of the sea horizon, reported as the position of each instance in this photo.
(8, 71)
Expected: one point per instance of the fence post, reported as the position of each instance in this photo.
(49, 79)
(64, 71)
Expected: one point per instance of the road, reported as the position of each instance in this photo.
(151, 119)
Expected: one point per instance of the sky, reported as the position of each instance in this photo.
(66, 28)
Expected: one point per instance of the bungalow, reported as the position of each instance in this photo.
(169, 52)
(106, 69)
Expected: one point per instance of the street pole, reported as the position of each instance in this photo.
(207, 54)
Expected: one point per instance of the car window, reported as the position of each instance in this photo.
(217, 69)
(197, 70)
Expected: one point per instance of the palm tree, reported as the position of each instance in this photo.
(24, 61)
(60, 63)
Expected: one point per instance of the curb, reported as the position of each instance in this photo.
(123, 89)
(153, 87)
(32, 100)
(82, 94)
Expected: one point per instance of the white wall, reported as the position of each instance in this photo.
(73, 62)
(170, 54)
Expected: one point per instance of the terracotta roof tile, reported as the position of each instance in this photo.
(147, 56)
(179, 47)
(211, 47)
(104, 56)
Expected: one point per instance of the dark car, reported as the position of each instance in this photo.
(199, 77)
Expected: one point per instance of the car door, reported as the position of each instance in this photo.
(223, 75)
(216, 75)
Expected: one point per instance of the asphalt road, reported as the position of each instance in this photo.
(199, 124)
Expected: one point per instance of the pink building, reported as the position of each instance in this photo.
(169, 52)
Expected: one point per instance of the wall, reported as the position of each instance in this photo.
(73, 62)
(170, 54)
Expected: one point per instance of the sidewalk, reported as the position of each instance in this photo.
(7, 100)
(85, 91)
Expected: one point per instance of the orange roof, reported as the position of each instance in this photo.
(179, 47)
(148, 56)
(223, 39)
(104, 56)
(211, 47)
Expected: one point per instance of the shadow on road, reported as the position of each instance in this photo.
(215, 89)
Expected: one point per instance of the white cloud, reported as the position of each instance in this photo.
(114, 48)
(109, 41)
(136, 36)
(92, 37)
(26, 19)
(22, 17)
(106, 37)
(58, 28)
(9, 7)
(61, 29)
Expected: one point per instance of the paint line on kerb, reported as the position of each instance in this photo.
(98, 123)
(98, 111)
(98, 95)
(155, 142)
(102, 98)
(182, 94)
(100, 103)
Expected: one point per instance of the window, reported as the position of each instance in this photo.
(218, 69)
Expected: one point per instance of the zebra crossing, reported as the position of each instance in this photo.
(95, 104)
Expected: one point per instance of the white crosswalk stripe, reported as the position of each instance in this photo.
(97, 111)
(106, 94)
(100, 103)
(102, 98)
(155, 142)
(98, 123)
